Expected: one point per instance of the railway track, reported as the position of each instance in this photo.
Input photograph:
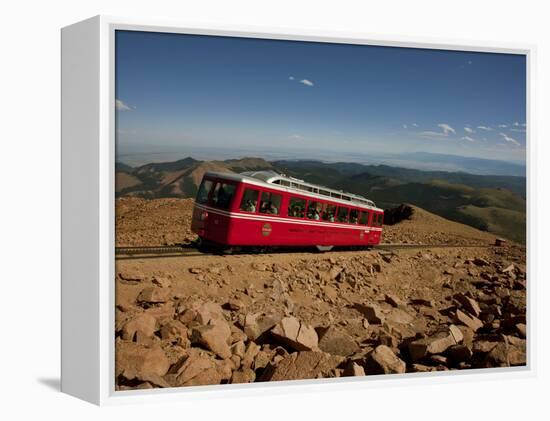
(190, 250)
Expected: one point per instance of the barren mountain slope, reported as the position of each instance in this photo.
(155, 222)
(424, 227)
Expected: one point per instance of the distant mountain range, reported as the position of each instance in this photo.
(424, 161)
(495, 203)
(454, 163)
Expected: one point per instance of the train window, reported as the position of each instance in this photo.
(354, 216)
(249, 202)
(270, 203)
(328, 213)
(296, 207)
(204, 191)
(314, 210)
(285, 183)
(343, 214)
(364, 219)
(223, 193)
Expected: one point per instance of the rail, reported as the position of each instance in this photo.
(191, 250)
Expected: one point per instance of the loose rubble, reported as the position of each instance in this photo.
(291, 316)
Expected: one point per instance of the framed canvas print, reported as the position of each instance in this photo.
(245, 210)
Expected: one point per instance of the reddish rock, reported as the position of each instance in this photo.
(302, 365)
(153, 295)
(296, 334)
(337, 342)
(459, 353)
(472, 322)
(353, 369)
(469, 304)
(245, 375)
(134, 360)
(144, 323)
(213, 337)
(393, 300)
(435, 344)
(255, 325)
(197, 369)
(383, 361)
(372, 312)
(521, 329)
(174, 330)
(250, 354)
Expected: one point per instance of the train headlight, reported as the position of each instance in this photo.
(203, 216)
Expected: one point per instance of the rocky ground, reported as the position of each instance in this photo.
(198, 320)
(156, 222)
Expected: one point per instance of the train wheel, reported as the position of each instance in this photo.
(324, 248)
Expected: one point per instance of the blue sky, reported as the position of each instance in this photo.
(176, 92)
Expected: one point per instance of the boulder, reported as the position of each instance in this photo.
(393, 300)
(144, 323)
(174, 330)
(214, 337)
(255, 325)
(245, 375)
(337, 342)
(459, 353)
(250, 354)
(162, 282)
(134, 360)
(208, 311)
(197, 368)
(435, 344)
(469, 304)
(302, 365)
(467, 320)
(521, 329)
(383, 361)
(400, 316)
(238, 348)
(372, 313)
(153, 295)
(353, 369)
(296, 334)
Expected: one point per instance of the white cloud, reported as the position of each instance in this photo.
(415, 125)
(509, 139)
(446, 129)
(433, 134)
(296, 136)
(516, 124)
(404, 126)
(487, 129)
(291, 78)
(502, 126)
(524, 125)
(468, 138)
(307, 82)
(468, 130)
(121, 106)
(518, 130)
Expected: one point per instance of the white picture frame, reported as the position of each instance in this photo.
(88, 161)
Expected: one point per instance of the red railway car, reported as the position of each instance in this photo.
(267, 209)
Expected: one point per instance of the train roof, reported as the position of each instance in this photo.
(290, 184)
